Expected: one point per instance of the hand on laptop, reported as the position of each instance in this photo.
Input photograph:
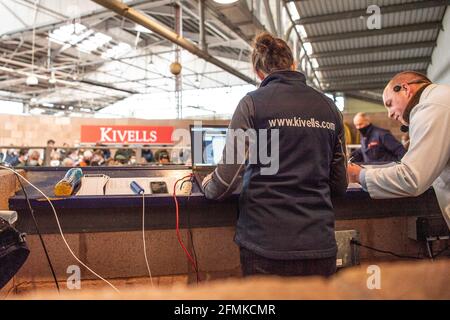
(206, 180)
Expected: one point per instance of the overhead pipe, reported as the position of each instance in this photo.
(140, 18)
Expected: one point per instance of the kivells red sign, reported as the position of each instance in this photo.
(126, 134)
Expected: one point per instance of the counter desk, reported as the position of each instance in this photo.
(124, 212)
(106, 231)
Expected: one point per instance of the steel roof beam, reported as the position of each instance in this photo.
(369, 64)
(140, 18)
(363, 12)
(366, 50)
(362, 86)
(375, 32)
(362, 77)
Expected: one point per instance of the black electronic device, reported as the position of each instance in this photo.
(13, 251)
(207, 144)
(428, 228)
(158, 187)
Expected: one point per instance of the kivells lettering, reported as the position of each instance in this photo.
(110, 135)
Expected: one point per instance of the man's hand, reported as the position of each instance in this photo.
(353, 171)
(206, 180)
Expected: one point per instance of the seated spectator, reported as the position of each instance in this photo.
(34, 160)
(124, 153)
(74, 155)
(147, 154)
(11, 158)
(162, 156)
(120, 159)
(98, 159)
(23, 157)
(68, 162)
(64, 151)
(86, 159)
(55, 159)
(106, 153)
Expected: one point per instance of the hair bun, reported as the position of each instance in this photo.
(271, 54)
(264, 43)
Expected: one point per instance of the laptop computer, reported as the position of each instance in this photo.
(207, 144)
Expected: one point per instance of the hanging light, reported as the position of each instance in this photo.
(52, 79)
(32, 80)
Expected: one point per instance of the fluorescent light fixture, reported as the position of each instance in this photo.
(314, 63)
(69, 33)
(117, 51)
(143, 29)
(94, 42)
(52, 79)
(32, 80)
(76, 34)
(302, 31)
(293, 10)
(308, 48)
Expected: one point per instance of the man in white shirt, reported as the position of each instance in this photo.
(411, 98)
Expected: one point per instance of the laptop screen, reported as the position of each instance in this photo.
(207, 144)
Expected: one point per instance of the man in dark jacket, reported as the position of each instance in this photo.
(286, 219)
(377, 145)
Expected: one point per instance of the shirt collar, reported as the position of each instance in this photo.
(283, 76)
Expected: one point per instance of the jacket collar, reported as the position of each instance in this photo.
(283, 76)
(415, 100)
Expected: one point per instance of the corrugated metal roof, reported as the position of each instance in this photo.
(387, 20)
(376, 41)
(377, 56)
(373, 70)
(321, 7)
(352, 17)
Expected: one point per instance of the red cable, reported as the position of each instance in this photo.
(178, 223)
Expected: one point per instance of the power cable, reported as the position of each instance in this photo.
(39, 234)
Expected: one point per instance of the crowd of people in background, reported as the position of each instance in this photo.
(99, 155)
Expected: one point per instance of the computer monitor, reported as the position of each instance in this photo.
(207, 143)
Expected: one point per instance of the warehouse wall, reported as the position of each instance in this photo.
(439, 69)
(21, 130)
(353, 106)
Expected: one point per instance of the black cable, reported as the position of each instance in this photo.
(39, 233)
(355, 242)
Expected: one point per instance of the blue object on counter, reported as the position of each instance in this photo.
(136, 188)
